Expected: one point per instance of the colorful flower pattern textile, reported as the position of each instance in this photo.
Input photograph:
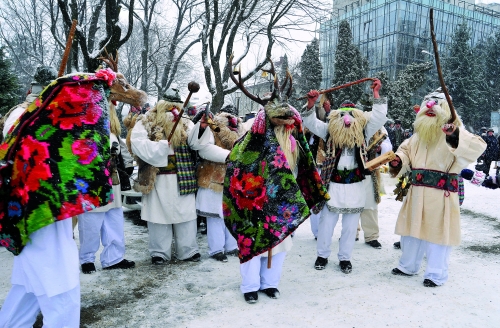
(59, 154)
(262, 201)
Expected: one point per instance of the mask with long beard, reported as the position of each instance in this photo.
(433, 114)
(346, 127)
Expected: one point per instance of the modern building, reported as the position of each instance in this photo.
(395, 33)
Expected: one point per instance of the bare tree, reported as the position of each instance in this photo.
(90, 39)
(25, 32)
(164, 46)
(243, 23)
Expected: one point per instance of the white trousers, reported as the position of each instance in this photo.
(218, 237)
(327, 222)
(256, 276)
(438, 257)
(314, 219)
(161, 235)
(21, 308)
(105, 227)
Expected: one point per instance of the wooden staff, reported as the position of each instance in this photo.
(341, 86)
(67, 50)
(438, 67)
(193, 87)
(269, 258)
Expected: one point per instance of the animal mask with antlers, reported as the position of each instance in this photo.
(121, 90)
(276, 106)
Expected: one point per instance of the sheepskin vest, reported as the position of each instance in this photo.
(210, 174)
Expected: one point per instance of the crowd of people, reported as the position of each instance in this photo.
(254, 184)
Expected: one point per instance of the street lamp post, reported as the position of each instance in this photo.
(238, 96)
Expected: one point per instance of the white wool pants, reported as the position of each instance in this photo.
(218, 237)
(327, 222)
(161, 236)
(256, 276)
(369, 224)
(314, 219)
(105, 227)
(438, 257)
(21, 308)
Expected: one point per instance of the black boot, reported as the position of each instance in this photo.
(251, 297)
(429, 283)
(124, 264)
(345, 266)
(271, 292)
(88, 268)
(320, 263)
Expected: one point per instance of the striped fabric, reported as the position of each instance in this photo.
(186, 171)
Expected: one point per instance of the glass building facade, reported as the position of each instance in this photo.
(393, 33)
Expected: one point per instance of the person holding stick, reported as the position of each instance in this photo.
(167, 178)
(429, 219)
(213, 148)
(343, 170)
(270, 185)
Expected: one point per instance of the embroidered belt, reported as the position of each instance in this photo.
(347, 176)
(435, 179)
(171, 168)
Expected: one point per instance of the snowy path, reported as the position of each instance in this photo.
(206, 294)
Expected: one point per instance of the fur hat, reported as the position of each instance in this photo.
(230, 109)
(44, 75)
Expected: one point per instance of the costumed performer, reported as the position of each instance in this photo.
(271, 183)
(167, 180)
(213, 148)
(105, 224)
(429, 219)
(343, 171)
(60, 139)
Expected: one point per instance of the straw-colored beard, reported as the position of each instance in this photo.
(283, 136)
(347, 137)
(429, 128)
(166, 121)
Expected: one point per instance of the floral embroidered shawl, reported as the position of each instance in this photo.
(262, 201)
(60, 160)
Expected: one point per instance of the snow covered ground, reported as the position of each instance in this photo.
(206, 294)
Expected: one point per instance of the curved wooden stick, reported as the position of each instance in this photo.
(67, 50)
(438, 67)
(193, 87)
(341, 86)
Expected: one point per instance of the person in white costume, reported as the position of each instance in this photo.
(167, 180)
(45, 276)
(429, 219)
(214, 148)
(347, 130)
(105, 224)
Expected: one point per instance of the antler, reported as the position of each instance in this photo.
(239, 83)
(110, 61)
(276, 91)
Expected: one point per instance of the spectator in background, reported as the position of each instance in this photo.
(491, 152)
(407, 134)
(398, 137)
